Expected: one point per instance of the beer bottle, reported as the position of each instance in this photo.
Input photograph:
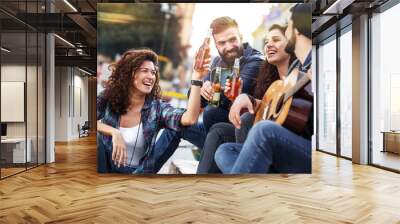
(216, 84)
(236, 82)
(203, 51)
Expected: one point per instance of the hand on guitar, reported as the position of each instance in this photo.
(240, 103)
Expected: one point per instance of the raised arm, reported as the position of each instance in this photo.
(192, 113)
(194, 102)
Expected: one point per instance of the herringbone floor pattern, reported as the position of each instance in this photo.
(71, 191)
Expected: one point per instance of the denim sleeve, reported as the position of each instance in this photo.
(101, 105)
(249, 74)
(171, 116)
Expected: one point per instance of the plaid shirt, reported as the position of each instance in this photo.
(156, 115)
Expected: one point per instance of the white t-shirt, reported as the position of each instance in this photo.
(130, 135)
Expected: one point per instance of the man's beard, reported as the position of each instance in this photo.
(230, 60)
(291, 44)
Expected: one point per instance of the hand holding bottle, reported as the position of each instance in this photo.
(227, 89)
(203, 53)
(207, 90)
(235, 82)
(216, 85)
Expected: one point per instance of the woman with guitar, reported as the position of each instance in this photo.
(274, 68)
(281, 138)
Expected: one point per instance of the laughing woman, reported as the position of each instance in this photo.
(130, 113)
(278, 64)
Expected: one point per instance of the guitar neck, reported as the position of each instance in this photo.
(299, 84)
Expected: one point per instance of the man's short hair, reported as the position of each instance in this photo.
(301, 17)
(222, 23)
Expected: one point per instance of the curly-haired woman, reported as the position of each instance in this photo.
(130, 113)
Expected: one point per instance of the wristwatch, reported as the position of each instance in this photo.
(197, 83)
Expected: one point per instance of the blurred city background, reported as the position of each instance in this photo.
(175, 31)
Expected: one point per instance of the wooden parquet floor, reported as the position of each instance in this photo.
(71, 191)
(10, 171)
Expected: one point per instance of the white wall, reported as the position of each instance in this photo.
(11, 73)
(80, 110)
(61, 103)
(71, 94)
(33, 126)
(15, 73)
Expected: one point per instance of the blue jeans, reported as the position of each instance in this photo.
(247, 120)
(268, 145)
(170, 139)
(218, 134)
(114, 169)
(105, 164)
(213, 115)
(195, 134)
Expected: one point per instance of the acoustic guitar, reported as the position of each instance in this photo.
(288, 102)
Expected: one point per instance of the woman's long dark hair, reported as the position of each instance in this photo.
(119, 86)
(268, 72)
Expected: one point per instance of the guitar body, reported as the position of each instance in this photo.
(269, 104)
(292, 113)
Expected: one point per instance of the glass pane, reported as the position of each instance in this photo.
(41, 98)
(346, 94)
(22, 77)
(13, 85)
(31, 98)
(327, 96)
(31, 85)
(385, 84)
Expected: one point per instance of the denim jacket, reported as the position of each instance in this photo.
(310, 124)
(156, 115)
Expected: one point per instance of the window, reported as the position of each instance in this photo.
(346, 75)
(22, 66)
(327, 95)
(385, 89)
